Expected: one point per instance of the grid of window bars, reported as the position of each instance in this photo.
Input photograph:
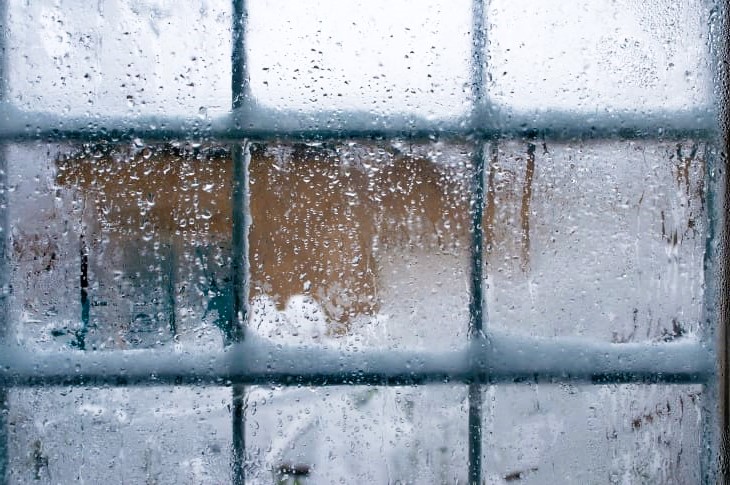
(487, 358)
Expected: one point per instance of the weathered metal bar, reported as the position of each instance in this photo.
(239, 241)
(477, 311)
(239, 282)
(716, 314)
(500, 359)
(239, 267)
(477, 315)
(261, 124)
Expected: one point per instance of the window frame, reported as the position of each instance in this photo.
(487, 357)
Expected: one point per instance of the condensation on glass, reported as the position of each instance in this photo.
(352, 242)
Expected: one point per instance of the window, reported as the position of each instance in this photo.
(363, 241)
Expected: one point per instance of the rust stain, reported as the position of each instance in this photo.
(525, 206)
(490, 205)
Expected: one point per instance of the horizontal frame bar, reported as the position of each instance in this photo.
(262, 124)
(497, 359)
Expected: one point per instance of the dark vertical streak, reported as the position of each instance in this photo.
(84, 289)
(713, 462)
(240, 91)
(239, 278)
(476, 313)
(476, 301)
(238, 465)
(476, 286)
(525, 206)
(240, 298)
(478, 60)
(171, 290)
(239, 203)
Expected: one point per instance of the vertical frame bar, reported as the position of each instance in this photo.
(4, 247)
(477, 312)
(716, 314)
(241, 159)
(714, 330)
(239, 204)
(715, 319)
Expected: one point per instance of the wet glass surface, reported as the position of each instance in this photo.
(131, 435)
(596, 434)
(599, 239)
(359, 243)
(342, 241)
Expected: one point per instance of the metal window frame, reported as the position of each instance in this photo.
(487, 357)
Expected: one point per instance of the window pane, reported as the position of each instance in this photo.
(44, 259)
(592, 434)
(383, 57)
(598, 57)
(135, 435)
(358, 434)
(154, 223)
(601, 239)
(119, 247)
(363, 240)
(118, 57)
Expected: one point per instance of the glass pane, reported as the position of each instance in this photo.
(357, 434)
(383, 56)
(356, 243)
(119, 247)
(597, 57)
(119, 57)
(153, 223)
(44, 261)
(364, 241)
(147, 435)
(601, 239)
(592, 434)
